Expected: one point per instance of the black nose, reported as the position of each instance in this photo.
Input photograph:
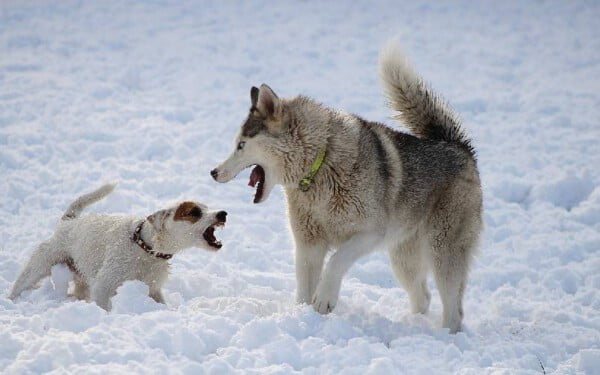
(221, 215)
(214, 173)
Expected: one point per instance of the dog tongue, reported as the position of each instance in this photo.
(254, 177)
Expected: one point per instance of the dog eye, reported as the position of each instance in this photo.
(195, 212)
(241, 145)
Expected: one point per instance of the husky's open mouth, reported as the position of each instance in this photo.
(257, 177)
(209, 235)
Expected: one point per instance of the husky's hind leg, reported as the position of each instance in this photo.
(38, 267)
(409, 264)
(451, 277)
(453, 244)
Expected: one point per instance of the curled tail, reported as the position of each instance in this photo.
(426, 114)
(85, 200)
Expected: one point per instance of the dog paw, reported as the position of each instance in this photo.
(323, 307)
(324, 300)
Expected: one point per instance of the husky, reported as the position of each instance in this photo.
(104, 251)
(353, 185)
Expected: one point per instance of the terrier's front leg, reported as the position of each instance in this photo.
(105, 286)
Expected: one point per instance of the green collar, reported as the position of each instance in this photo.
(308, 179)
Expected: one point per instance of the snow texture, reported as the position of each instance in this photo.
(152, 94)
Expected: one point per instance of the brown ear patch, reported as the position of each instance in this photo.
(188, 211)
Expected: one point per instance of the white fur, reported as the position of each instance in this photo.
(101, 249)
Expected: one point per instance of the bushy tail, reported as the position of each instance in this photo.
(426, 114)
(85, 200)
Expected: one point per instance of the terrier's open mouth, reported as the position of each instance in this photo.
(257, 177)
(209, 235)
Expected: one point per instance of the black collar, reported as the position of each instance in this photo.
(137, 238)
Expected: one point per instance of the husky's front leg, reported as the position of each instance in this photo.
(309, 264)
(328, 290)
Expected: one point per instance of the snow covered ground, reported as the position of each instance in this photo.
(152, 94)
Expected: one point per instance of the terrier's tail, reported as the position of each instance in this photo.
(425, 113)
(85, 200)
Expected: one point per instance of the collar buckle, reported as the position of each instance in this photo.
(304, 184)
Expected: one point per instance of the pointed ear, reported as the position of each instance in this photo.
(254, 96)
(268, 103)
(158, 219)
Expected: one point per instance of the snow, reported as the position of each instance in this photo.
(152, 94)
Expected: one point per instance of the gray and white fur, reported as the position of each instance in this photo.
(102, 255)
(417, 195)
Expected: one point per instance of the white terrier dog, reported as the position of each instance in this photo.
(105, 251)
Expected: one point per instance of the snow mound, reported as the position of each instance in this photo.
(589, 361)
(132, 298)
(566, 191)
